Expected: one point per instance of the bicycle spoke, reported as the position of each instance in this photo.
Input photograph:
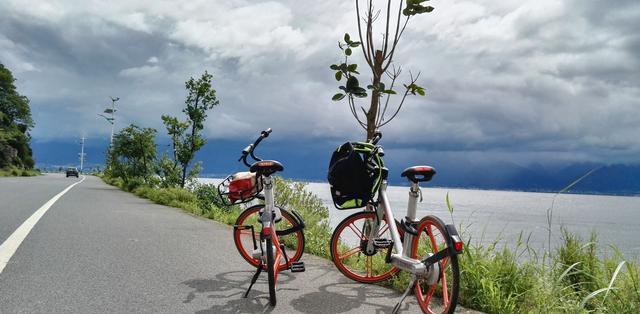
(356, 231)
(383, 230)
(432, 288)
(445, 289)
(349, 253)
(444, 263)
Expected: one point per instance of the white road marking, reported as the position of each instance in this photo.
(9, 247)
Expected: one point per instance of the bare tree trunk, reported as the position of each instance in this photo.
(372, 114)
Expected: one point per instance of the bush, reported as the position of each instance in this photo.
(292, 195)
(575, 279)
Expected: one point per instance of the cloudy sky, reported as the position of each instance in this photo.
(518, 80)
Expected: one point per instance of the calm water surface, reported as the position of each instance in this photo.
(502, 215)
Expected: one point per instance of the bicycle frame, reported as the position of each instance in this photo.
(401, 258)
(267, 220)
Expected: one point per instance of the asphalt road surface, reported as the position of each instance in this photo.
(101, 250)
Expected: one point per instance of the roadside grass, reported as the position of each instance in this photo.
(576, 277)
(17, 172)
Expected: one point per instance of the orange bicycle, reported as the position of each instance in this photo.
(262, 233)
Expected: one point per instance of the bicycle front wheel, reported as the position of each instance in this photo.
(438, 291)
(271, 272)
(348, 249)
(244, 237)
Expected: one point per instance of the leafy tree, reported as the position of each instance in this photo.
(15, 123)
(169, 172)
(378, 59)
(133, 153)
(187, 136)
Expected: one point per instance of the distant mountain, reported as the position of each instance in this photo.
(309, 161)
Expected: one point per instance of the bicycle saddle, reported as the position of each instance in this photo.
(417, 174)
(266, 167)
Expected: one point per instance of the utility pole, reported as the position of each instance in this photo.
(82, 154)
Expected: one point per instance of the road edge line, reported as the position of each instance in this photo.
(13, 242)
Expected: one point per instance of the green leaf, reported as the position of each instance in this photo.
(420, 91)
(370, 86)
(352, 67)
(347, 51)
(343, 67)
(449, 206)
(338, 97)
(338, 75)
(381, 86)
(360, 90)
(354, 44)
(334, 67)
(390, 91)
(352, 83)
(347, 38)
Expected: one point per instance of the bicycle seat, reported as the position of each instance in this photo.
(266, 167)
(417, 174)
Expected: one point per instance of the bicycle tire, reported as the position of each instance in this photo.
(244, 243)
(271, 272)
(342, 257)
(432, 237)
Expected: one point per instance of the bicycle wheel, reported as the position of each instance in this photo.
(243, 238)
(348, 244)
(271, 272)
(438, 292)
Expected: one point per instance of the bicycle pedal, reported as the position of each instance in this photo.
(382, 243)
(297, 267)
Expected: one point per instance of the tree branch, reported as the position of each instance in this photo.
(352, 106)
(406, 92)
(386, 33)
(365, 51)
(370, 30)
(393, 77)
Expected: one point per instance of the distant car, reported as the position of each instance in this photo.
(72, 171)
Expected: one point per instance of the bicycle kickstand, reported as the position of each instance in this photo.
(253, 280)
(404, 295)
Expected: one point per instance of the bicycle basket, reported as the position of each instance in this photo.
(239, 188)
(354, 175)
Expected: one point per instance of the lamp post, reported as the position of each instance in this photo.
(82, 154)
(112, 118)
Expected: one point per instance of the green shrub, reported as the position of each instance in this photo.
(317, 233)
(493, 280)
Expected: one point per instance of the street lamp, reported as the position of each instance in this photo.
(112, 118)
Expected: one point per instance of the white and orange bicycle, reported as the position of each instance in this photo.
(263, 233)
(371, 245)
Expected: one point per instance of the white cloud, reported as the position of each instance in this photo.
(545, 76)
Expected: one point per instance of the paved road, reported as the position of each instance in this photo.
(101, 250)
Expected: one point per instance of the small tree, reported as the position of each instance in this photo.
(133, 153)
(378, 59)
(201, 97)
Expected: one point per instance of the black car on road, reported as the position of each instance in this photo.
(72, 171)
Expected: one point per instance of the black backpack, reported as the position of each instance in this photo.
(350, 180)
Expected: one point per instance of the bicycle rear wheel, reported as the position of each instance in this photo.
(271, 272)
(348, 244)
(438, 292)
(244, 237)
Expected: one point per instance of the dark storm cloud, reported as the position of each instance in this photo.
(548, 78)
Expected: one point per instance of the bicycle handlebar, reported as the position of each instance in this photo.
(249, 150)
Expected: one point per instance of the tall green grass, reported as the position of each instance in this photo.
(576, 277)
(17, 172)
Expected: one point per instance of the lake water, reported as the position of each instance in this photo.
(490, 215)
